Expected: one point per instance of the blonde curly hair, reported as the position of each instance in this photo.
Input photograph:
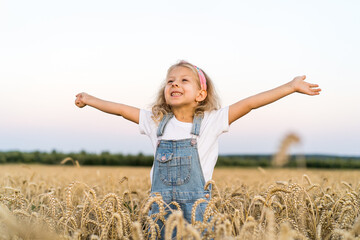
(160, 108)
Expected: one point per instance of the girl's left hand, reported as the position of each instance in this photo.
(299, 85)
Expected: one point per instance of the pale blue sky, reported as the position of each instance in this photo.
(120, 51)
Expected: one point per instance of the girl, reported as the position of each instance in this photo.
(184, 125)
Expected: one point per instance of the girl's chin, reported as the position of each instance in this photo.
(179, 105)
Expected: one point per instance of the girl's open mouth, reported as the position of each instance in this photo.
(176, 94)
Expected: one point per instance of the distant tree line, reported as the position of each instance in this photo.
(111, 159)
(84, 158)
(309, 161)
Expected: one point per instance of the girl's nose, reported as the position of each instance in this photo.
(175, 84)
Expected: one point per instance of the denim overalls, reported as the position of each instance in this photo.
(177, 173)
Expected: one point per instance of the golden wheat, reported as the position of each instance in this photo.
(41, 202)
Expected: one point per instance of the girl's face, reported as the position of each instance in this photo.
(182, 88)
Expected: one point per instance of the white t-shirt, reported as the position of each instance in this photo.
(213, 125)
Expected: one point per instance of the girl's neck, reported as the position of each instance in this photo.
(183, 115)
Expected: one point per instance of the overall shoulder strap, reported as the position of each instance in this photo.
(163, 123)
(197, 124)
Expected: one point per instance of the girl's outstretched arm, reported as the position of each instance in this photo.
(128, 112)
(239, 109)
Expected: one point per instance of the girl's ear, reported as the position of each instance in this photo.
(201, 96)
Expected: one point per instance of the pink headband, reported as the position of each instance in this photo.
(202, 78)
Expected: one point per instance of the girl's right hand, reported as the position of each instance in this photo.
(80, 99)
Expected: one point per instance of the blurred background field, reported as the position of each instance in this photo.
(139, 177)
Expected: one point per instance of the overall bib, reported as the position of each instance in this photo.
(177, 173)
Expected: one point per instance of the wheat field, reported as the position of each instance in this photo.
(73, 202)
